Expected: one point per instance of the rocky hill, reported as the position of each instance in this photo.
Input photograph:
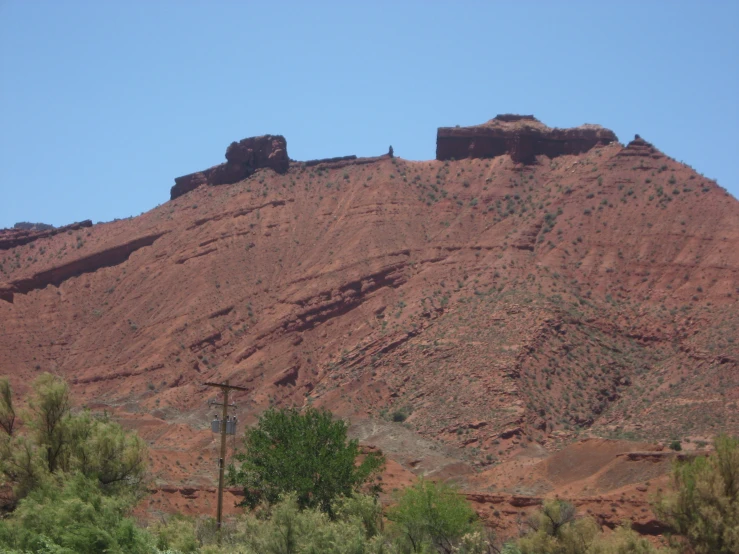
(529, 288)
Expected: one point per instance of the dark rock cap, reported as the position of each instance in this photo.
(523, 137)
(242, 159)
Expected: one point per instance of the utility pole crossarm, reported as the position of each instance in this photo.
(225, 387)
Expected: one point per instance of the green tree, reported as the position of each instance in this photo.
(50, 410)
(304, 453)
(56, 441)
(705, 505)
(431, 515)
(101, 448)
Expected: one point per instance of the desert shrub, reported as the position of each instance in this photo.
(7, 411)
(72, 514)
(555, 529)
(285, 528)
(53, 441)
(431, 517)
(176, 533)
(75, 476)
(704, 507)
(622, 541)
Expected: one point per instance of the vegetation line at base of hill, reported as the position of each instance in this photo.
(72, 478)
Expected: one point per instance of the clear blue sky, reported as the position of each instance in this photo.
(102, 104)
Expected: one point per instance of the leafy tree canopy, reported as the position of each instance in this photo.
(307, 454)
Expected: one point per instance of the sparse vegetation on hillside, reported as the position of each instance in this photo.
(484, 309)
(76, 477)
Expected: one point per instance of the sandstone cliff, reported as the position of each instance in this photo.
(242, 159)
(523, 137)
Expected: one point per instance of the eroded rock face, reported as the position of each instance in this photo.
(242, 159)
(523, 137)
(57, 274)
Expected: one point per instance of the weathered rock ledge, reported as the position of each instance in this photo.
(242, 159)
(523, 137)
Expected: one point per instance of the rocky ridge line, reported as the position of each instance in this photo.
(10, 238)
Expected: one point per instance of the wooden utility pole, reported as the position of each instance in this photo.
(225, 387)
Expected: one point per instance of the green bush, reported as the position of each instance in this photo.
(7, 411)
(705, 505)
(177, 533)
(556, 529)
(431, 516)
(399, 416)
(56, 441)
(285, 528)
(622, 541)
(75, 477)
(73, 515)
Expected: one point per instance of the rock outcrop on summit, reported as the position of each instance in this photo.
(242, 159)
(640, 148)
(523, 137)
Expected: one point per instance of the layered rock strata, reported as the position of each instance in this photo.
(523, 137)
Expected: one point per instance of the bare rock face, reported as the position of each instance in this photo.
(242, 159)
(523, 137)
